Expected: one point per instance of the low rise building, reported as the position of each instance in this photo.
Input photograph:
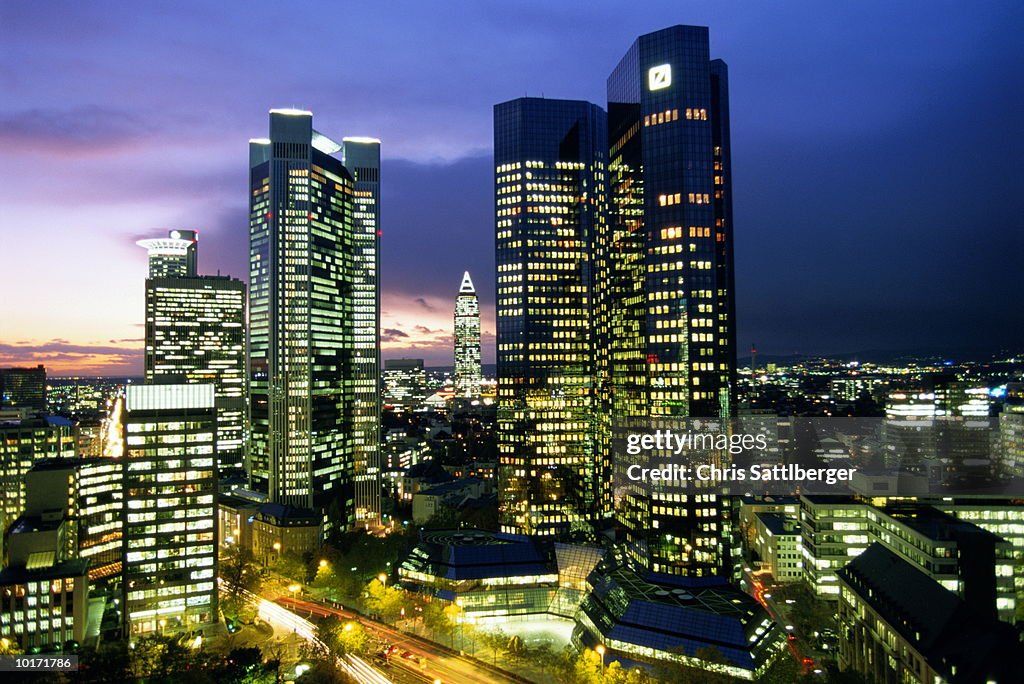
(427, 503)
(899, 625)
(43, 591)
(488, 574)
(279, 530)
(777, 547)
(658, 618)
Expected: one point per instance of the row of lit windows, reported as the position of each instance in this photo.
(662, 117)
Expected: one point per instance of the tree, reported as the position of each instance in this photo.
(240, 573)
(516, 649)
(436, 618)
(677, 673)
(159, 656)
(324, 671)
(343, 636)
(385, 601)
(785, 670)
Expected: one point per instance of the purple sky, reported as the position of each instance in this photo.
(876, 150)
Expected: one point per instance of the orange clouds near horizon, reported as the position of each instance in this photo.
(411, 327)
(64, 358)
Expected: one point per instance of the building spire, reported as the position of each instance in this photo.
(467, 285)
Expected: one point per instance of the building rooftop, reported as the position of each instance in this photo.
(289, 515)
(452, 487)
(68, 463)
(943, 628)
(675, 614)
(776, 523)
(34, 523)
(476, 554)
(933, 523)
(70, 568)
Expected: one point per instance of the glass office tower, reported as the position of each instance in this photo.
(195, 333)
(314, 293)
(666, 296)
(23, 387)
(467, 339)
(361, 156)
(550, 196)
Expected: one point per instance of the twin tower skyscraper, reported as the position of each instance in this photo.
(615, 296)
(297, 399)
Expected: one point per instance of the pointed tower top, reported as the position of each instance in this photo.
(467, 285)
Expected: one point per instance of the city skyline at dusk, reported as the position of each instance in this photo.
(860, 185)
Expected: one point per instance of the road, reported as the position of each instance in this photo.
(430, 664)
(778, 613)
(286, 620)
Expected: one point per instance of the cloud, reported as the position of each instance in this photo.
(86, 130)
(424, 303)
(392, 334)
(427, 331)
(61, 357)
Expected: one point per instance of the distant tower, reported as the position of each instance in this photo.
(467, 339)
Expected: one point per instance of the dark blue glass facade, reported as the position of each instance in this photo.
(665, 300)
(550, 202)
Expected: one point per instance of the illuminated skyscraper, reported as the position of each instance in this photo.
(195, 333)
(467, 339)
(173, 256)
(314, 312)
(550, 204)
(170, 513)
(665, 296)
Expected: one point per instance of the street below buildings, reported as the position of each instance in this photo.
(416, 659)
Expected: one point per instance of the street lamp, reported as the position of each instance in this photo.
(383, 579)
(600, 651)
(323, 563)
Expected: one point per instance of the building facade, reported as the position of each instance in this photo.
(88, 494)
(899, 625)
(314, 311)
(405, 383)
(550, 206)
(170, 510)
(23, 387)
(175, 256)
(195, 333)
(665, 295)
(23, 442)
(467, 339)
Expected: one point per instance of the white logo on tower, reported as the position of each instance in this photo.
(659, 77)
